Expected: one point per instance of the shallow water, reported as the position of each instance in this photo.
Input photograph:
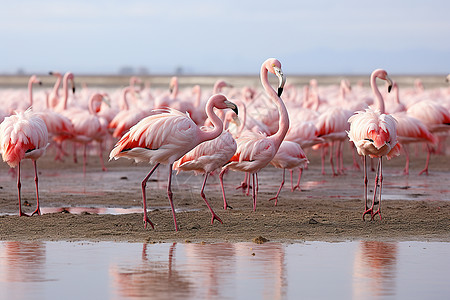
(312, 270)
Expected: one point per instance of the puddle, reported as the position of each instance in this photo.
(313, 270)
(106, 210)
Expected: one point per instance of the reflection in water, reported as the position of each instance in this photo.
(374, 269)
(21, 263)
(151, 278)
(314, 270)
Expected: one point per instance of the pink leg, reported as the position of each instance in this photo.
(170, 195)
(300, 171)
(378, 176)
(425, 170)
(291, 173)
(254, 191)
(84, 159)
(38, 210)
(331, 160)
(279, 189)
(19, 185)
(322, 156)
(378, 211)
(406, 169)
(144, 198)
(244, 184)
(221, 174)
(355, 161)
(214, 216)
(366, 206)
(101, 156)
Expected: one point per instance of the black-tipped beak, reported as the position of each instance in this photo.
(73, 90)
(389, 88)
(280, 91)
(50, 73)
(40, 82)
(236, 110)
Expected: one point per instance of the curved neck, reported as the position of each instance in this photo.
(30, 91)
(125, 105)
(92, 100)
(57, 85)
(66, 92)
(198, 93)
(380, 101)
(216, 122)
(396, 94)
(283, 123)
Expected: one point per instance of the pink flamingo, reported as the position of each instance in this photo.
(375, 134)
(127, 117)
(23, 135)
(164, 138)
(255, 150)
(53, 97)
(208, 157)
(409, 129)
(88, 127)
(435, 117)
(289, 156)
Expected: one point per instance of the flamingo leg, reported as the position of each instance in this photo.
(170, 195)
(406, 170)
(291, 172)
(355, 161)
(144, 198)
(221, 174)
(322, 156)
(300, 172)
(101, 156)
(214, 216)
(425, 170)
(331, 159)
(75, 159)
(38, 210)
(84, 159)
(375, 190)
(279, 189)
(366, 207)
(378, 211)
(254, 191)
(19, 185)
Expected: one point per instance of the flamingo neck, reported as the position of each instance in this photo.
(216, 122)
(57, 85)
(397, 95)
(66, 92)
(283, 123)
(125, 105)
(30, 92)
(92, 100)
(376, 91)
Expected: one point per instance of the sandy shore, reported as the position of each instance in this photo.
(327, 209)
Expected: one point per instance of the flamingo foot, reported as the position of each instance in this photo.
(36, 212)
(22, 214)
(215, 217)
(274, 198)
(424, 171)
(370, 210)
(147, 220)
(297, 187)
(227, 206)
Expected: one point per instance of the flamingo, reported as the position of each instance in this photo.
(255, 150)
(409, 129)
(88, 127)
(435, 117)
(23, 135)
(164, 138)
(208, 157)
(375, 134)
(289, 156)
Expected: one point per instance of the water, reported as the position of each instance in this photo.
(312, 270)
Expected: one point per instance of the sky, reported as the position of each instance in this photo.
(224, 37)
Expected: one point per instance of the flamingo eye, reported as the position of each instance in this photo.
(370, 140)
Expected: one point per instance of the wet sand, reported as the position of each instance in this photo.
(416, 208)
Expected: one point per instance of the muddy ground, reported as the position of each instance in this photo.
(106, 206)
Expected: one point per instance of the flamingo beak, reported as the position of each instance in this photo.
(231, 105)
(281, 78)
(390, 84)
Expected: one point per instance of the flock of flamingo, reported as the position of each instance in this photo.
(182, 131)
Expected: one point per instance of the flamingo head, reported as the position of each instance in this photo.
(221, 102)
(382, 74)
(274, 67)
